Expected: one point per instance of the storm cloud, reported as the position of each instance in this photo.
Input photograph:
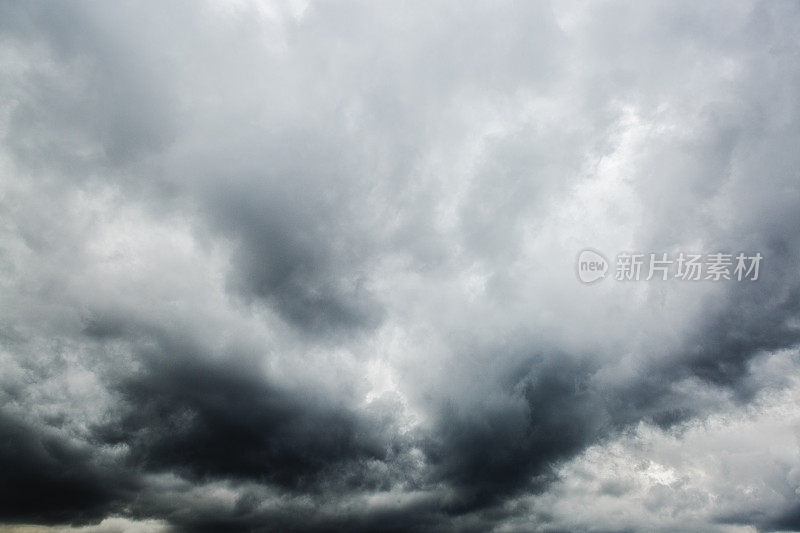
(297, 266)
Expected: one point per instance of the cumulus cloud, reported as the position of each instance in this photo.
(304, 266)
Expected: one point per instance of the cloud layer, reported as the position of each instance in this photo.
(294, 266)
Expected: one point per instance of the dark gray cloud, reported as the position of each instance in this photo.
(48, 479)
(217, 420)
(288, 266)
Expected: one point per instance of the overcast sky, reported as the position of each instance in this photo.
(312, 266)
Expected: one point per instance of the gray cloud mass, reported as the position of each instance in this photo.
(309, 266)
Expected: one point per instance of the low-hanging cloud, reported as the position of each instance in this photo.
(304, 266)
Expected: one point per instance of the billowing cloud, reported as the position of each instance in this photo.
(303, 266)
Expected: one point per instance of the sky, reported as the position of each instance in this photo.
(311, 266)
